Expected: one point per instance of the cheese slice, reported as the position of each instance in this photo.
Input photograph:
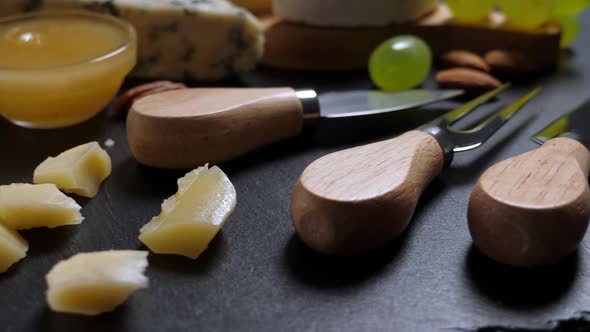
(352, 13)
(255, 6)
(184, 39)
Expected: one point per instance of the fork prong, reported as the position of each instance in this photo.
(458, 113)
(506, 113)
(469, 139)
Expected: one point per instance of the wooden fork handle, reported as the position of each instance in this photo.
(190, 127)
(533, 209)
(357, 200)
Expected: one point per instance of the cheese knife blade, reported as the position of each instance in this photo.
(368, 102)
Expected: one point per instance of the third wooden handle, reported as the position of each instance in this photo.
(533, 209)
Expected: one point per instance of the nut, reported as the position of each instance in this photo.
(126, 99)
(470, 80)
(511, 64)
(464, 59)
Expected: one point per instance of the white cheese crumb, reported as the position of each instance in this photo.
(109, 143)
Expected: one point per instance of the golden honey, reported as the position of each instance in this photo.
(61, 68)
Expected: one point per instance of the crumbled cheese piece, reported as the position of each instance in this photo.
(13, 248)
(79, 170)
(193, 216)
(109, 143)
(97, 282)
(25, 206)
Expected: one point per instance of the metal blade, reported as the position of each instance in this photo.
(575, 124)
(360, 103)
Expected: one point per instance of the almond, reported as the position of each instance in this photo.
(470, 80)
(512, 64)
(127, 98)
(464, 59)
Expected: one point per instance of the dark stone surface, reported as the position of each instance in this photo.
(257, 275)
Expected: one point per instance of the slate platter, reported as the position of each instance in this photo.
(257, 275)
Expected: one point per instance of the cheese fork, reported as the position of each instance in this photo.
(357, 200)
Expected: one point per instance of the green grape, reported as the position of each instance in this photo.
(570, 27)
(400, 63)
(471, 10)
(526, 14)
(569, 7)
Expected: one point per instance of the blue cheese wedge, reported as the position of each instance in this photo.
(184, 39)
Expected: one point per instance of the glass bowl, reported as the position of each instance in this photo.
(60, 68)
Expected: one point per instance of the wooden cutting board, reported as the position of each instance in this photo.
(298, 46)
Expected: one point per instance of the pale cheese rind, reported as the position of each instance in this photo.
(185, 39)
(192, 217)
(352, 13)
(79, 170)
(96, 282)
(13, 248)
(255, 6)
(26, 206)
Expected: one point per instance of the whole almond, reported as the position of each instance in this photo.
(470, 80)
(464, 59)
(511, 64)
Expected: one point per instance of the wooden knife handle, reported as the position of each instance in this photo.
(357, 200)
(190, 127)
(533, 209)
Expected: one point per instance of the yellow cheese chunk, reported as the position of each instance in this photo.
(13, 248)
(192, 217)
(25, 206)
(255, 6)
(97, 282)
(79, 170)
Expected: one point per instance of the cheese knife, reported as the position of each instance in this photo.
(533, 209)
(190, 127)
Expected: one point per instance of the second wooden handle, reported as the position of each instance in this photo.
(190, 127)
(533, 209)
(360, 199)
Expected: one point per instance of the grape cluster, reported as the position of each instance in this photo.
(566, 12)
(471, 11)
(525, 14)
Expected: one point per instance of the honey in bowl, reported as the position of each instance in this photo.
(62, 68)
